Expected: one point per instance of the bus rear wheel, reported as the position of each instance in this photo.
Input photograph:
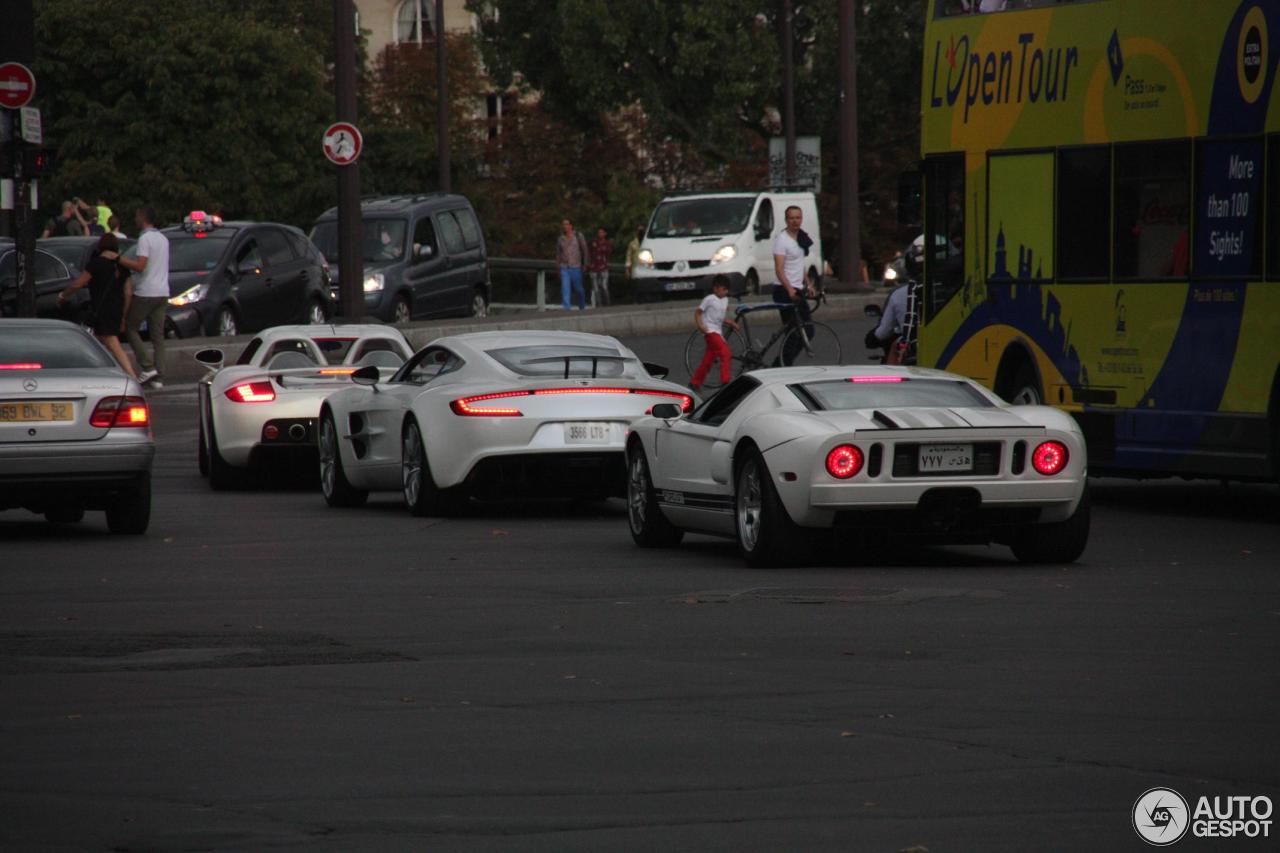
(1024, 388)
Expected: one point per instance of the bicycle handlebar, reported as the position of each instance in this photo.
(814, 303)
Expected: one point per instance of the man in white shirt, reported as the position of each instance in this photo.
(710, 318)
(793, 281)
(150, 296)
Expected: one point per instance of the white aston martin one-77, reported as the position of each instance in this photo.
(491, 414)
(780, 454)
(265, 405)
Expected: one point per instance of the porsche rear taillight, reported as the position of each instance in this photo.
(120, 412)
(844, 461)
(476, 406)
(251, 392)
(1049, 458)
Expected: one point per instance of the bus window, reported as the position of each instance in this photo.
(943, 229)
(1228, 209)
(1084, 213)
(1152, 194)
(1020, 206)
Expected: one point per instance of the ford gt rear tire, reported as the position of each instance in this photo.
(338, 492)
(649, 527)
(766, 534)
(1061, 542)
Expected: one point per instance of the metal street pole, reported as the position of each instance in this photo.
(789, 90)
(350, 256)
(850, 221)
(17, 44)
(442, 102)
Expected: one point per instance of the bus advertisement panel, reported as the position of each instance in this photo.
(1101, 223)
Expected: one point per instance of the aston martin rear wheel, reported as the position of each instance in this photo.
(649, 527)
(420, 492)
(766, 534)
(338, 492)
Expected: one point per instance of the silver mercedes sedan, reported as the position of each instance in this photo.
(75, 430)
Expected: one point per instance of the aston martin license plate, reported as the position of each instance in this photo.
(43, 411)
(935, 458)
(587, 432)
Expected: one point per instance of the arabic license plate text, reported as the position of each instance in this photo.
(45, 411)
(945, 457)
(586, 433)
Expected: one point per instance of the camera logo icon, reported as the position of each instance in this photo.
(1161, 817)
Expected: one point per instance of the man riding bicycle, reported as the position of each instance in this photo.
(789, 250)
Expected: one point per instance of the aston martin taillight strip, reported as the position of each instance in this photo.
(466, 406)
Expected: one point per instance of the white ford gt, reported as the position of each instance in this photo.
(267, 402)
(865, 450)
(491, 414)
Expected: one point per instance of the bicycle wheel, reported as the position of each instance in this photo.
(696, 346)
(822, 347)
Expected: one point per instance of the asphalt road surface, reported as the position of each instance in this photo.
(263, 673)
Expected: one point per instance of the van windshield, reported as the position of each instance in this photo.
(382, 240)
(701, 217)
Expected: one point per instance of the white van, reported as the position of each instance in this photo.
(693, 237)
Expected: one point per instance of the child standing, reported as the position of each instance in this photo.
(710, 318)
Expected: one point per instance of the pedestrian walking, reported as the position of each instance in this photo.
(571, 257)
(110, 292)
(150, 296)
(633, 253)
(710, 318)
(64, 224)
(601, 249)
(793, 285)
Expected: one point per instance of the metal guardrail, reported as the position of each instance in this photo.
(542, 268)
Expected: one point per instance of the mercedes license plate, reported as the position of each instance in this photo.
(44, 411)
(680, 285)
(935, 458)
(587, 432)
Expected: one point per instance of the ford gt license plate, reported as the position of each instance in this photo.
(16, 412)
(586, 433)
(945, 457)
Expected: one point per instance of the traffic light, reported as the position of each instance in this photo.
(37, 162)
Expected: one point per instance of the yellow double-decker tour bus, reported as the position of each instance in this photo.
(1102, 221)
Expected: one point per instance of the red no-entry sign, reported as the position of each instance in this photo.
(342, 143)
(17, 85)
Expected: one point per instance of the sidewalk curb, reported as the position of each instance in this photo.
(619, 321)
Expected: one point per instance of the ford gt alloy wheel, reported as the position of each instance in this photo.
(766, 534)
(333, 481)
(649, 527)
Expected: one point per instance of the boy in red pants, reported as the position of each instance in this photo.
(710, 318)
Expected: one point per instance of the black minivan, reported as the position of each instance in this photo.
(424, 256)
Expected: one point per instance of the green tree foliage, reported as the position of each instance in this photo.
(188, 105)
(707, 75)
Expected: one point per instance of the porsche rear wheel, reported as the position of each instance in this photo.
(1060, 542)
(649, 527)
(202, 451)
(766, 534)
(221, 475)
(338, 492)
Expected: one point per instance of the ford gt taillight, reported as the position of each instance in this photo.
(844, 461)
(251, 392)
(120, 412)
(1049, 458)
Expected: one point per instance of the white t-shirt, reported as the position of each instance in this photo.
(154, 280)
(793, 259)
(713, 310)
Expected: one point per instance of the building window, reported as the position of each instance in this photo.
(414, 21)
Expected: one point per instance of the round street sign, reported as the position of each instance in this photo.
(342, 143)
(17, 85)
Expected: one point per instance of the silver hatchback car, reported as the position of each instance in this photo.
(75, 430)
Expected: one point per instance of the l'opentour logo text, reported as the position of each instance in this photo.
(1029, 73)
(1161, 817)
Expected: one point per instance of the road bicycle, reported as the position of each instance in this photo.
(822, 347)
